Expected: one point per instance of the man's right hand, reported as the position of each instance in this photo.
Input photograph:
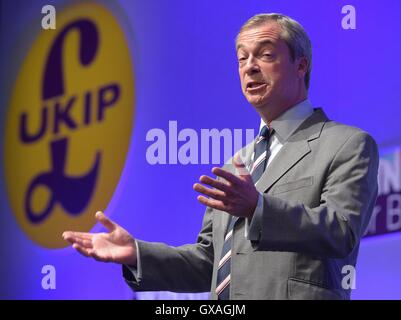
(117, 245)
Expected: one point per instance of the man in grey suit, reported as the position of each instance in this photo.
(285, 216)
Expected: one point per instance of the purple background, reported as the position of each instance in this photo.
(186, 70)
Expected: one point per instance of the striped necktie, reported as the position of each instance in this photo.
(258, 167)
(261, 153)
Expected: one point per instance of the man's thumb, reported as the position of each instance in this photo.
(110, 225)
(240, 166)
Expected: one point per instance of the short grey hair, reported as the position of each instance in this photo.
(292, 33)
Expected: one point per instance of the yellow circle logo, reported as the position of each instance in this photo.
(69, 124)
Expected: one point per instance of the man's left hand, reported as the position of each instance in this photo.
(233, 194)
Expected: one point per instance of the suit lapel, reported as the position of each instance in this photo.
(290, 154)
(293, 151)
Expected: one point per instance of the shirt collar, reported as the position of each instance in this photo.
(285, 125)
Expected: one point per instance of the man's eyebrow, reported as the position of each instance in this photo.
(259, 44)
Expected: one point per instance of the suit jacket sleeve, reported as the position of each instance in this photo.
(334, 228)
(187, 268)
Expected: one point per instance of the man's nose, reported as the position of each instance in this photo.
(251, 66)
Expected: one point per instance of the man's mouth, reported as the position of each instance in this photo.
(255, 85)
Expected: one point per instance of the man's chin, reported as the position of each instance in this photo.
(258, 103)
(258, 100)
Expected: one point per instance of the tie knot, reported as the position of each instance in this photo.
(264, 133)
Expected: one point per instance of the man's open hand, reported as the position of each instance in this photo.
(117, 245)
(233, 194)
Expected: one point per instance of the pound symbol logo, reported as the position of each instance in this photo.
(69, 124)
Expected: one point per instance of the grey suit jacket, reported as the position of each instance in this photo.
(319, 193)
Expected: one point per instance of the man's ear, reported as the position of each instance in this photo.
(302, 66)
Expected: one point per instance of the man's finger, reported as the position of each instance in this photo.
(215, 204)
(81, 242)
(74, 234)
(216, 184)
(70, 239)
(240, 166)
(110, 225)
(85, 252)
(215, 194)
(84, 243)
(88, 252)
(226, 175)
(81, 238)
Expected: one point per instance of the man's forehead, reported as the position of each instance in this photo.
(264, 34)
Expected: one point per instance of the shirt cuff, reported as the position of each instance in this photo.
(136, 271)
(253, 226)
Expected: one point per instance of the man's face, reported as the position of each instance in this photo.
(269, 77)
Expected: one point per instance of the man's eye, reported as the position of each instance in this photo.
(241, 59)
